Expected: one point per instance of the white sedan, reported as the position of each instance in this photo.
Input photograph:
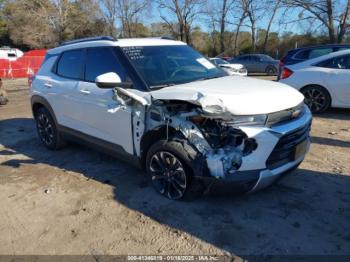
(324, 81)
(232, 69)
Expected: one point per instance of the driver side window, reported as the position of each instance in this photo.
(101, 60)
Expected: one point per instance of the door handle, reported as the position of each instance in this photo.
(48, 84)
(84, 91)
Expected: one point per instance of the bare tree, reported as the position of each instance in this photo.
(219, 17)
(109, 8)
(252, 9)
(60, 18)
(239, 13)
(334, 15)
(185, 11)
(127, 13)
(130, 12)
(241, 19)
(31, 23)
(276, 4)
(86, 19)
(46, 23)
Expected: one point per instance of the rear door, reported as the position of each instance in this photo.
(338, 80)
(257, 64)
(62, 85)
(102, 116)
(245, 60)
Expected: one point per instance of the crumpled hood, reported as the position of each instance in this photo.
(239, 95)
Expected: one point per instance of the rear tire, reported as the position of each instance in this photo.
(47, 129)
(317, 98)
(168, 169)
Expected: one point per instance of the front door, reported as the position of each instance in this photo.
(103, 116)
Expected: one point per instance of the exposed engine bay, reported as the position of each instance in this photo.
(221, 144)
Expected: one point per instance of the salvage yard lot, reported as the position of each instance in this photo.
(78, 201)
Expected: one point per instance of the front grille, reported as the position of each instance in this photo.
(284, 151)
(285, 115)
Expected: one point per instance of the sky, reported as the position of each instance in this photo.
(291, 15)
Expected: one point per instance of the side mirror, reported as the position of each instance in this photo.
(108, 80)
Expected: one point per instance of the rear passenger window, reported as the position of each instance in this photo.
(341, 62)
(102, 60)
(243, 58)
(319, 52)
(70, 64)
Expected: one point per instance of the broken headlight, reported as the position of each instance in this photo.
(255, 120)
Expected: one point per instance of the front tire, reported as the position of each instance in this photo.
(47, 129)
(317, 98)
(271, 71)
(167, 168)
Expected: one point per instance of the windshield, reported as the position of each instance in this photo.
(162, 66)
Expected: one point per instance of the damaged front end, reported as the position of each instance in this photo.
(227, 145)
(207, 127)
(204, 124)
(217, 143)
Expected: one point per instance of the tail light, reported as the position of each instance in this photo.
(286, 72)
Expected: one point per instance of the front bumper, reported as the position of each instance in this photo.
(256, 170)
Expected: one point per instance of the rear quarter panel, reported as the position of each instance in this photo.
(304, 77)
(309, 76)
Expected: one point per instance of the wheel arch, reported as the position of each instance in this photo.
(152, 136)
(39, 101)
(194, 160)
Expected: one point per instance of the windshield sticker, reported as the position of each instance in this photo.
(204, 62)
(134, 52)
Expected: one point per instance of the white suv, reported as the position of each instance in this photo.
(161, 105)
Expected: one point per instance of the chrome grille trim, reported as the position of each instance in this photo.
(285, 115)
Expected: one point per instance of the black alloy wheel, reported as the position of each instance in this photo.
(45, 129)
(168, 175)
(316, 98)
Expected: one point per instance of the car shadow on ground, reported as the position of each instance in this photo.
(329, 141)
(298, 215)
(335, 113)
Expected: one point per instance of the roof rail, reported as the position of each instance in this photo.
(87, 39)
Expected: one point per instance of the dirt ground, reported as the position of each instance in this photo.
(77, 201)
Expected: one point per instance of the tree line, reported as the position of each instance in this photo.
(214, 27)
